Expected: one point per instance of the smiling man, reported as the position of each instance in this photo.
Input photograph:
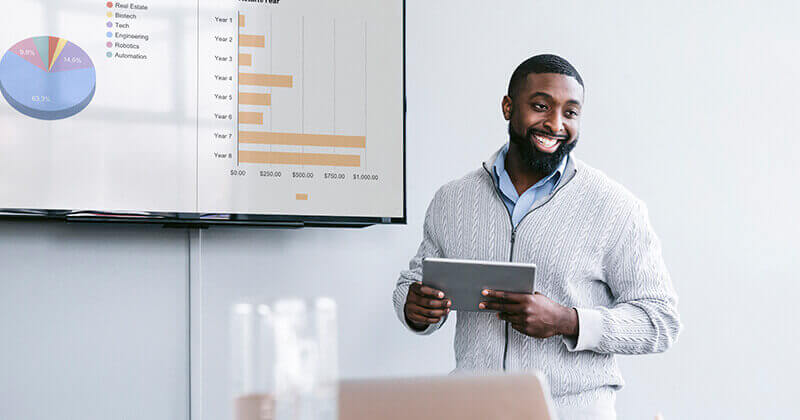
(602, 287)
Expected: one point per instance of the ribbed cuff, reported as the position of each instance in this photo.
(590, 330)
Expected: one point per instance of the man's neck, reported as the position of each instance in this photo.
(522, 176)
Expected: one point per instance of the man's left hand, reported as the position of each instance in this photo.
(533, 314)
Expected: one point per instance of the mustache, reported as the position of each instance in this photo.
(532, 131)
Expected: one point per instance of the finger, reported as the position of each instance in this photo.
(422, 319)
(431, 292)
(430, 313)
(510, 296)
(430, 303)
(501, 306)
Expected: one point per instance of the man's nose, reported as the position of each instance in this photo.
(554, 123)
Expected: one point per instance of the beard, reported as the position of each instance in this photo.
(540, 162)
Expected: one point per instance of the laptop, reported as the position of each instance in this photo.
(506, 397)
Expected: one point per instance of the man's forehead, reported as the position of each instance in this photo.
(559, 86)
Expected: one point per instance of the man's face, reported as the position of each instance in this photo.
(544, 119)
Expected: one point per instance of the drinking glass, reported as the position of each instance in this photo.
(253, 362)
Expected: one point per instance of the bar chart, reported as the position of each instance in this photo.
(301, 108)
(317, 139)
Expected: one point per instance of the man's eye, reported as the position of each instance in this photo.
(539, 107)
(572, 114)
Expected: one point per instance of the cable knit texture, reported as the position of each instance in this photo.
(595, 250)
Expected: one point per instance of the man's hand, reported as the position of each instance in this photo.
(425, 306)
(534, 315)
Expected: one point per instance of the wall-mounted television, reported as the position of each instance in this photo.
(223, 112)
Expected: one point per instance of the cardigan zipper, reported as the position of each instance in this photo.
(510, 258)
(513, 238)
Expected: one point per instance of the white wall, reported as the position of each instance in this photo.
(690, 106)
(92, 323)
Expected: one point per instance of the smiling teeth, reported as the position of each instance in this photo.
(546, 141)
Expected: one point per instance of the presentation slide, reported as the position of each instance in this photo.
(273, 107)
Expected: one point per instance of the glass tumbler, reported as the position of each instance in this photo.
(306, 359)
(252, 362)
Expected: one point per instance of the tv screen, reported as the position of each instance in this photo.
(288, 112)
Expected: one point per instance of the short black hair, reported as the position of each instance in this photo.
(542, 63)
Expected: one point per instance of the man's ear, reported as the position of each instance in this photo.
(507, 107)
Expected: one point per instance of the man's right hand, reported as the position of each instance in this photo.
(425, 306)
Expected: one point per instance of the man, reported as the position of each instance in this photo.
(601, 287)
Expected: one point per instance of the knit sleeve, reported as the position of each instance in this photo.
(428, 248)
(643, 317)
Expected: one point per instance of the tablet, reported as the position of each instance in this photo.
(463, 280)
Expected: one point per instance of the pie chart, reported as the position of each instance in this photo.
(48, 78)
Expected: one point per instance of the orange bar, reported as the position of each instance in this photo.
(264, 99)
(241, 21)
(245, 59)
(316, 159)
(291, 139)
(268, 80)
(251, 41)
(301, 197)
(251, 118)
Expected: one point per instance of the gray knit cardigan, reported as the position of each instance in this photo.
(595, 250)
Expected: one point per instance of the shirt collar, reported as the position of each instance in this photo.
(500, 161)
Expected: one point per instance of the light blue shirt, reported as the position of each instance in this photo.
(519, 205)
